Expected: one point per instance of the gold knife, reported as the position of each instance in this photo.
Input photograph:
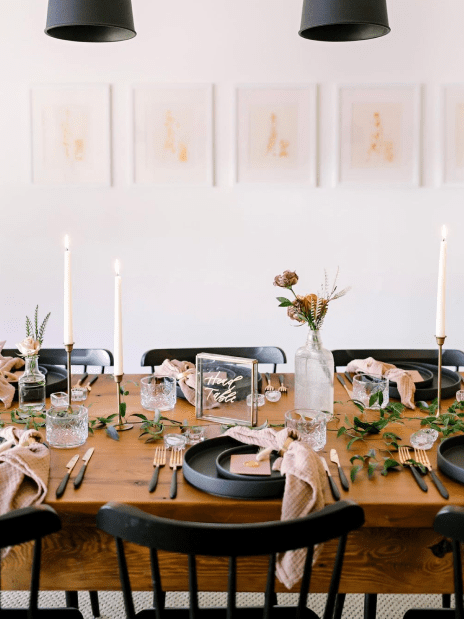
(85, 460)
(343, 480)
(333, 485)
(64, 482)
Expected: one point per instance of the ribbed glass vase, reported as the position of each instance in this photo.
(314, 375)
(32, 386)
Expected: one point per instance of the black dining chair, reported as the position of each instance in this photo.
(449, 522)
(32, 524)
(263, 354)
(95, 357)
(130, 524)
(451, 358)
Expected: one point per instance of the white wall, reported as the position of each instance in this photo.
(198, 265)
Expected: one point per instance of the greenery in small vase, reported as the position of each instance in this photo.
(311, 308)
(34, 335)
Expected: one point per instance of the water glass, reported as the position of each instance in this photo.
(367, 385)
(311, 426)
(59, 398)
(158, 392)
(66, 427)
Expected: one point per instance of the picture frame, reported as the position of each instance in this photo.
(222, 386)
(172, 133)
(452, 101)
(276, 134)
(379, 137)
(71, 134)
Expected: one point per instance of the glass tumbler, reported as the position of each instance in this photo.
(367, 385)
(311, 426)
(158, 392)
(67, 427)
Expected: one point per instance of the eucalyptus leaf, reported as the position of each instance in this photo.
(112, 433)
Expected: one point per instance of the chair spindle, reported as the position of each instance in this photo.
(35, 580)
(269, 596)
(158, 594)
(124, 577)
(193, 587)
(335, 580)
(231, 588)
(458, 579)
(305, 583)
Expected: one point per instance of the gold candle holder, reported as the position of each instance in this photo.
(120, 426)
(68, 348)
(440, 342)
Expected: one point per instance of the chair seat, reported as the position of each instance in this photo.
(429, 613)
(41, 613)
(244, 612)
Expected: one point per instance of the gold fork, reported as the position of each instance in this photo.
(421, 456)
(176, 460)
(282, 387)
(158, 461)
(269, 386)
(403, 453)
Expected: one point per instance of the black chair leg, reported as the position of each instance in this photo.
(339, 603)
(370, 605)
(72, 601)
(446, 600)
(94, 603)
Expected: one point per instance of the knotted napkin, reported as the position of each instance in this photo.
(7, 364)
(304, 483)
(184, 372)
(404, 381)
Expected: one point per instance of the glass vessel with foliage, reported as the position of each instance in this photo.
(31, 385)
(314, 365)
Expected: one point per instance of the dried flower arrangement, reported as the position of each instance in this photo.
(311, 308)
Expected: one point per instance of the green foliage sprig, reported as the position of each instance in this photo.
(27, 417)
(448, 423)
(370, 459)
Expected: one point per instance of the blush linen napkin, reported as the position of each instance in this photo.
(304, 484)
(7, 364)
(184, 372)
(403, 379)
(24, 469)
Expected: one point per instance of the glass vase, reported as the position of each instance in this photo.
(32, 386)
(314, 376)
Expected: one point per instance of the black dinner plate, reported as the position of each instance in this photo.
(199, 469)
(56, 379)
(450, 457)
(427, 377)
(223, 464)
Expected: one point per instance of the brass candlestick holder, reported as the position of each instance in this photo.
(440, 342)
(68, 348)
(120, 426)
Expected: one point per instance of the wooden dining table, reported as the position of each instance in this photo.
(396, 551)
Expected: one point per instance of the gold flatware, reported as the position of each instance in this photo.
(82, 380)
(176, 461)
(158, 461)
(333, 485)
(282, 387)
(89, 386)
(64, 482)
(421, 456)
(342, 382)
(403, 453)
(336, 460)
(85, 460)
(269, 387)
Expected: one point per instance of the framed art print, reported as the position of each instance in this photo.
(71, 135)
(379, 134)
(173, 135)
(453, 129)
(276, 134)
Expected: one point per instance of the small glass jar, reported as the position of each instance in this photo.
(195, 434)
(67, 427)
(273, 396)
(259, 399)
(59, 398)
(424, 438)
(79, 394)
(175, 441)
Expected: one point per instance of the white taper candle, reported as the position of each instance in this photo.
(118, 354)
(441, 293)
(68, 317)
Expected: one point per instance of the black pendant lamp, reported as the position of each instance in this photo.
(92, 21)
(344, 20)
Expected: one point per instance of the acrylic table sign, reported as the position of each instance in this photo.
(222, 386)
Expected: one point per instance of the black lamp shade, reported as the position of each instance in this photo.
(92, 21)
(344, 20)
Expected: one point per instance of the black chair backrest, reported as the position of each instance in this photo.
(80, 356)
(450, 357)
(450, 522)
(263, 354)
(130, 524)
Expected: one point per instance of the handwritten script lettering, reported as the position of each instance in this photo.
(229, 395)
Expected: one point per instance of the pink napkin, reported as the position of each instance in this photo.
(403, 379)
(7, 364)
(304, 483)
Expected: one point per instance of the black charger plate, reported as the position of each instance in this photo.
(199, 469)
(223, 464)
(427, 375)
(450, 381)
(450, 457)
(56, 379)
